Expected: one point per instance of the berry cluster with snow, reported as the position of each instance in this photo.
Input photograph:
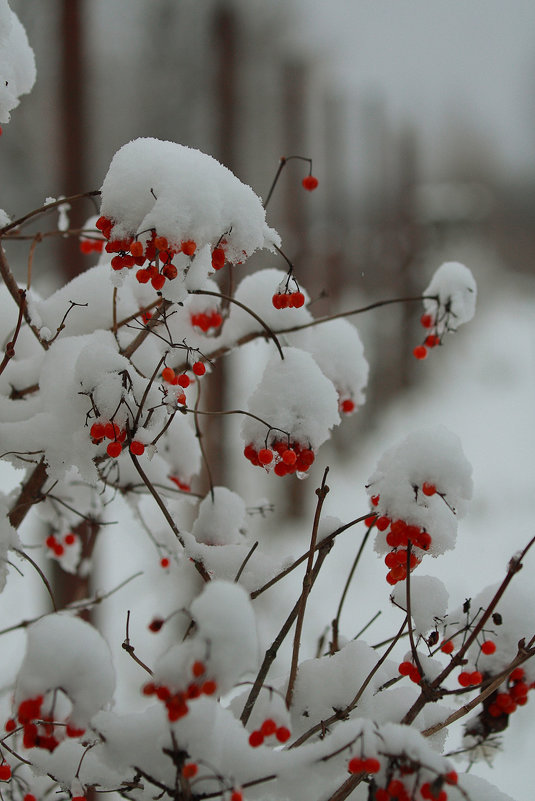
(100, 389)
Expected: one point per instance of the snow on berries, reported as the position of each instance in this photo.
(170, 202)
(65, 656)
(403, 514)
(450, 301)
(297, 406)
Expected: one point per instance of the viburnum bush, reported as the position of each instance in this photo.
(99, 387)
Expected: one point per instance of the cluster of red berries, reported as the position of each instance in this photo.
(431, 791)
(38, 729)
(206, 320)
(268, 729)
(400, 535)
(91, 245)
(310, 182)
(288, 300)
(467, 678)
(100, 431)
(176, 703)
(505, 703)
(286, 456)
(157, 253)
(431, 340)
(182, 380)
(182, 485)
(58, 547)
(369, 765)
(408, 669)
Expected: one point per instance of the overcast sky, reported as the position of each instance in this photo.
(436, 62)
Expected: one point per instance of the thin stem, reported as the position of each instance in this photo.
(336, 621)
(271, 652)
(230, 299)
(43, 209)
(41, 574)
(242, 566)
(414, 652)
(126, 646)
(321, 492)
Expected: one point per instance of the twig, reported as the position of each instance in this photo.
(10, 347)
(126, 646)
(271, 652)
(41, 574)
(321, 493)
(230, 299)
(43, 209)
(336, 621)
(242, 566)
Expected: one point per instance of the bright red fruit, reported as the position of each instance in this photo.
(256, 738)
(164, 562)
(114, 449)
(189, 770)
(347, 406)
(5, 772)
(189, 247)
(265, 456)
(310, 183)
(355, 765)
(137, 448)
(428, 489)
(488, 647)
(283, 734)
(268, 727)
(199, 368)
(420, 352)
(158, 281)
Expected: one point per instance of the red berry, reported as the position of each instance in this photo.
(78, 798)
(265, 456)
(356, 765)
(289, 457)
(382, 795)
(372, 765)
(382, 523)
(405, 668)
(283, 734)
(168, 374)
(149, 688)
(428, 489)
(189, 247)
(476, 677)
(114, 449)
(309, 183)
(10, 725)
(517, 674)
(451, 777)
(164, 562)
(143, 276)
(198, 669)
(347, 406)
(5, 772)
(183, 381)
(69, 539)
(189, 770)
(97, 431)
(156, 624)
(464, 679)
(375, 499)
(209, 687)
(447, 647)
(158, 281)
(256, 738)
(236, 795)
(29, 797)
(218, 258)
(488, 647)
(170, 271)
(426, 320)
(370, 520)
(420, 352)
(199, 368)
(136, 249)
(432, 340)
(268, 727)
(298, 300)
(278, 301)
(137, 448)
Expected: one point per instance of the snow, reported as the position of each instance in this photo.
(184, 195)
(17, 63)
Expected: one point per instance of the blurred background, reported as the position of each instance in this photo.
(420, 120)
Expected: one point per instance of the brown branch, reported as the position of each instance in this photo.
(10, 347)
(336, 622)
(126, 646)
(321, 493)
(29, 494)
(43, 209)
(271, 653)
(14, 291)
